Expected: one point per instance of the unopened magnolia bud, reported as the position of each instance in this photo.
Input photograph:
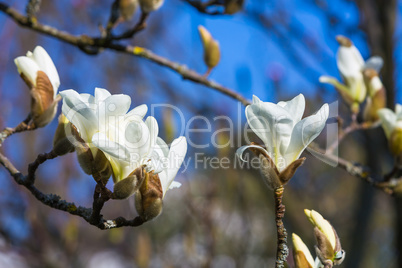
(127, 8)
(233, 6)
(301, 255)
(128, 186)
(212, 52)
(395, 141)
(61, 142)
(148, 199)
(148, 6)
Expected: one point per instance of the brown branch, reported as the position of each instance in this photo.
(55, 201)
(282, 250)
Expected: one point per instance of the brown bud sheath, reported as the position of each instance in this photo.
(148, 199)
(61, 143)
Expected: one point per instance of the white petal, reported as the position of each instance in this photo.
(28, 67)
(139, 111)
(305, 132)
(79, 114)
(163, 146)
(398, 111)
(256, 99)
(375, 62)
(349, 60)
(177, 152)
(46, 64)
(113, 149)
(295, 107)
(388, 120)
(101, 94)
(272, 124)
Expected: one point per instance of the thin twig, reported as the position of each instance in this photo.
(54, 201)
(282, 250)
(23, 126)
(91, 46)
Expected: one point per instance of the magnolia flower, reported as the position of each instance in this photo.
(284, 134)
(93, 114)
(301, 255)
(328, 247)
(40, 74)
(165, 164)
(351, 64)
(392, 124)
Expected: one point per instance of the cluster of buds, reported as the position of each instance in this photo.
(285, 135)
(328, 249)
(361, 80)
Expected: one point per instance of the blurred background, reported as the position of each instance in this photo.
(219, 217)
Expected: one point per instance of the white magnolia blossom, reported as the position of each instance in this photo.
(351, 65)
(38, 60)
(391, 120)
(281, 127)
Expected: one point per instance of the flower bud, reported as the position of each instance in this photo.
(148, 6)
(93, 161)
(61, 142)
(149, 198)
(376, 98)
(395, 141)
(301, 255)
(328, 247)
(128, 186)
(212, 52)
(127, 8)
